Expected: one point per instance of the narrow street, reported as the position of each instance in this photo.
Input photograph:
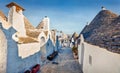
(66, 63)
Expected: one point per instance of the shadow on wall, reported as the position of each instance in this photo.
(50, 48)
(15, 64)
(82, 55)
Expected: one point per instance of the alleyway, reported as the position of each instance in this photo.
(66, 63)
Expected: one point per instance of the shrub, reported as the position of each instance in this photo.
(74, 49)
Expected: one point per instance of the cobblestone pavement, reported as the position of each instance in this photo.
(66, 63)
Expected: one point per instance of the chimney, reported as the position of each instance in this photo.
(16, 17)
(14, 8)
(18, 7)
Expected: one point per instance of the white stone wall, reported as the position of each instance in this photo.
(53, 36)
(29, 56)
(26, 50)
(94, 59)
(17, 20)
(3, 52)
(15, 63)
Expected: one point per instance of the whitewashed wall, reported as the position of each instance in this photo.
(43, 52)
(28, 49)
(94, 59)
(3, 52)
(16, 64)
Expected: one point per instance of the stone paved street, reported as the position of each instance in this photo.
(67, 64)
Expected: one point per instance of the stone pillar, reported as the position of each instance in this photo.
(16, 18)
(10, 15)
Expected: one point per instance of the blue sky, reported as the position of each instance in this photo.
(65, 15)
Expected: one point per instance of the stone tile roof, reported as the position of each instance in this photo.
(104, 17)
(32, 33)
(46, 33)
(3, 15)
(30, 30)
(104, 30)
(28, 25)
(26, 40)
(41, 25)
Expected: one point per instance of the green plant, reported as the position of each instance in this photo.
(74, 49)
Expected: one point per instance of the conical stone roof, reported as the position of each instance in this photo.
(104, 17)
(41, 25)
(104, 30)
(28, 25)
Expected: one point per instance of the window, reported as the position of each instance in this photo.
(90, 59)
(42, 39)
(41, 27)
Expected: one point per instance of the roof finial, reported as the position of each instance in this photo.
(103, 8)
(45, 16)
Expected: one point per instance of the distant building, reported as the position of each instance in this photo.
(73, 40)
(64, 40)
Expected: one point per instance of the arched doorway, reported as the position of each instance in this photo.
(42, 40)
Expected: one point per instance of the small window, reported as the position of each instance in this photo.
(90, 59)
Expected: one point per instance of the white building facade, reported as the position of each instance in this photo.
(94, 59)
(20, 45)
